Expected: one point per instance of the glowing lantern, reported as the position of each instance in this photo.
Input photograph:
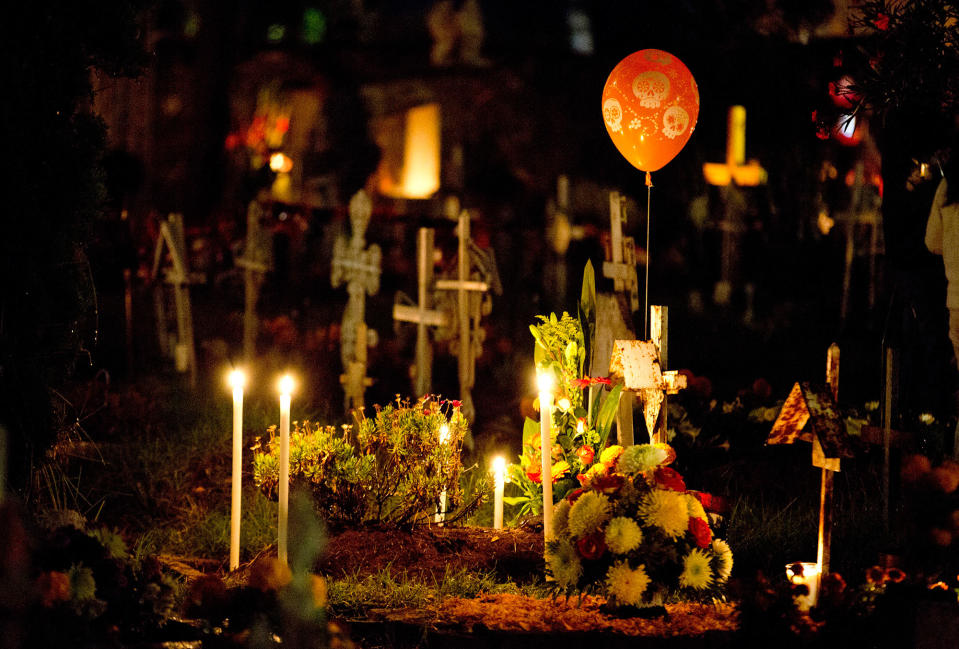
(419, 172)
(281, 163)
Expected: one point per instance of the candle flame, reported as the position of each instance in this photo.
(286, 384)
(499, 466)
(544, 381)
(237, 379)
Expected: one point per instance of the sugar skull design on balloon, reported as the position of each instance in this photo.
(651, 88)
(613, 114)
(675, 121)
(650, 107)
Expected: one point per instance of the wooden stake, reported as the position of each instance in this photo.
(424, 351)
(887, 403)
(826, 490)
(659, 334)
(466, 356)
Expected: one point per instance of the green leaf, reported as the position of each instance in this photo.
(587, 311)
(607, 413)
(531, 430)
(515, 500)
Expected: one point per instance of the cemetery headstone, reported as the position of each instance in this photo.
(357, 266)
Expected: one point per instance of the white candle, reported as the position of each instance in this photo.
(441, 513)
(545, 383)
(237, 382)
(499, 478)
(286, 388)
(808, 575)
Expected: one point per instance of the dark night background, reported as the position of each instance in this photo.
(175, 79)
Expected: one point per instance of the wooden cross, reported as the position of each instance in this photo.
(358, 267)
(255, 262)
(560, 232)
(423, 315)
(731, 174)
(810, 414)
(621, 265)
(469, 292)
(639, 365)
(173, 239)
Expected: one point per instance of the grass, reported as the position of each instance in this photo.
(356, 595)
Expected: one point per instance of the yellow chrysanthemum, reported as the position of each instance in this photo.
(666, 510)
(696, 571)
(564, 564)
(626, 584)
(561, 518)
(588, 513)
(622, 535)
(610, 454)
(695, 508)
(725, 554)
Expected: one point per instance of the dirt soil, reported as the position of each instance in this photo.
(431, 551)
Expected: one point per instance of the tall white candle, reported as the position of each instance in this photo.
(499, 479)
(237, 382)
(545, 383)
(286, 388)
(441, 513)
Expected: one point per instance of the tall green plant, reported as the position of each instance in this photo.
(580, 431)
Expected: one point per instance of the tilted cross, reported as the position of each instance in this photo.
(178, 275)
(255, 262)
(358, 267)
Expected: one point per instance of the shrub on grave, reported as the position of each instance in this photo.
(636, 535)
(389, 468)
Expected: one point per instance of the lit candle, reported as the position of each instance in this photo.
(544, 381)
(286, 388)
(237, 381)
(499, 477)
(441, 512)
(805, 573)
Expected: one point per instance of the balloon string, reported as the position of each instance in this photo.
(649, 192)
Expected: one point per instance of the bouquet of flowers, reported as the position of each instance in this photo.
(634, 533)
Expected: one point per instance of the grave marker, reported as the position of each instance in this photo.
(177, 275)
(422, 314)
(810, 414)
(358, 267)
(255, 261)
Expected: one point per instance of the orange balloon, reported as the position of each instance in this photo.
(650, 106)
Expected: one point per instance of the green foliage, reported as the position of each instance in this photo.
(390, 468)
(580, 430)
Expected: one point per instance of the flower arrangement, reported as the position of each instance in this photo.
(634, 533)
(583, 415)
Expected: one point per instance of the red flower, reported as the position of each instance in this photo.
(591, 546)
(455, 403)
(762, 389)
(583, 479)
(605, 380)
(881, 22)
(535, 474)
(669, 479)
(574, 495)
(581, 383)
(699, 528)
(608, 484)
(586, 455)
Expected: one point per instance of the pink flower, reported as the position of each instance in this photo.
(881, 22)
(605, 380)
(581, 383)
